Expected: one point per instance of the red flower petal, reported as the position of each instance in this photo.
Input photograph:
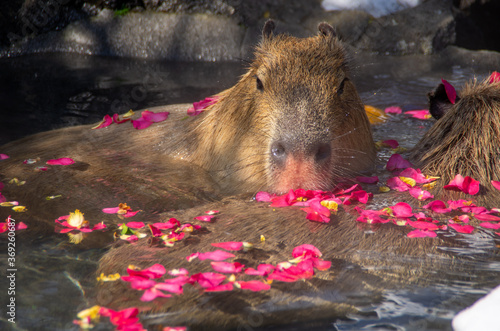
(391, 143)
(396, 161)
(155, 231)
(220, 288)
(450, 91)
(402, 210)
(488, 225)
(204, 218)
(229, 245)
(262, 270)
(437, 206)
(135, 225)
(217, 255)
(254, 285)
(61, 161)
(227, 267)
(106, 121)
(495, 183)
(494, 77)
(422, 114)
(467, 185)
(207, 279)
(393, 110)
(421, 234)
(116, 119)
(462, 228)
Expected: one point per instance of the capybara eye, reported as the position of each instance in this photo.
(340, 89)
(260, 86)
(277, 150)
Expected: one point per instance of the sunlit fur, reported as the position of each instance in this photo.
(299, 98)
(466, 140)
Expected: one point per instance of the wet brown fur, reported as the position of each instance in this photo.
(466, 140)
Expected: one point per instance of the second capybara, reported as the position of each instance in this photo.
(465, 139)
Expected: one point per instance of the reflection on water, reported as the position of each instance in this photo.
(55, 278)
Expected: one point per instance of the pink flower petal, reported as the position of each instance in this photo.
(487, 217)
(135, 225)
(391, 143)
(420, 194)
(106, 121)
(99, 226)
(205, 218)
(321, 264)
(254, 285)
(262, 270)
(395, 183)
(422, 114)
(264, 196)
(4, 156)
(306, 251)
(111, 210)
(437, 206)
(227, 267)
(462, 228)
(396, 161)
(229, 245)
(220, 288)
(393, 110)
(421, 234)
(116, 119)
(402, 210)
(141, 123)
(217, 255)
(467, 185)
(154, 117)
(367, 180)
(495, 183)
(170, 287)
(171, 224)
(153, 293)
(61, 161)
(422, 225)
(488, 225)
(207, 279)
(494, 77)
(450, 91)
(200, 106)
(155, 232)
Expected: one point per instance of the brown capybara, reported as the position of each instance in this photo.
(465, 138)
(294, 120)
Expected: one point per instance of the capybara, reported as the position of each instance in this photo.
(465, 138)
(294, 120)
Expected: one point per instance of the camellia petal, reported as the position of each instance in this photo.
(421, 234)
(205, 218)
(488, 225)
(227, 267)
(450, 91)
(155, 117)
(496, 184)
(421, 114)
(437, 206)
(207, 279)
(253, 285)
(420, 194)
(396, 161)
(262, 270)
(494, 77)
(393, 110)
(402, 210)
(306, 251)
(135, 225)
(220, 288)
(4, 156)
(395, 183)
(217, 255)
(61, 161)
(153, 293)
(422, 225)
(465, 184)
(229, 245)
(141, 123)
(391, 143)
(487, 217)
(200, 106)
(462, 228)
(106, 121)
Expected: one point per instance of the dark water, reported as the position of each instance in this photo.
(39, 93)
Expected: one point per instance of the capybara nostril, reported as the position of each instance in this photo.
(323, 151)
(278, 152)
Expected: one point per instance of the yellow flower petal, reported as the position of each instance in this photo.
(19, 209)
(384, 189)
(410, 181)
(109, 278)
(128, 114)
(332, 205)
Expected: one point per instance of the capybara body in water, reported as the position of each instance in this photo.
(465, 139)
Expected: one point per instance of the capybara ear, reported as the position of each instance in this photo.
(327, 30)
(267, 31)
(439, 103)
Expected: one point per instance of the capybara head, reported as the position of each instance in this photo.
(466, 138)
(294, 120)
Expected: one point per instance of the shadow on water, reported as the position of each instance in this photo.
(44, 92)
